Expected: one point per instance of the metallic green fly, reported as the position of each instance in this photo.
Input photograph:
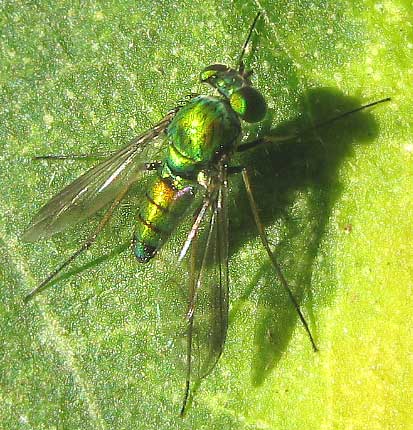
(201, 135)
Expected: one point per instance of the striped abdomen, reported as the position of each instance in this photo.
(161, 209)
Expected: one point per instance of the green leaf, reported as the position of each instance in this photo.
(98, 349)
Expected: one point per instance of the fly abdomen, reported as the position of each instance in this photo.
(160, 211)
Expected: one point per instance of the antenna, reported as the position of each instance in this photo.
(240, 63)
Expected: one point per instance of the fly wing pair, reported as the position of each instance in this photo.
(207, 314)
(96, 188)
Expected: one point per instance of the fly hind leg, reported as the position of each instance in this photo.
(273, 259)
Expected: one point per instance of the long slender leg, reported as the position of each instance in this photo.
(280, 139)
(194, 229)
(190, 318)
(193, 286)
(271, 255)
(73, 156)
(85, 246)
(149, 166)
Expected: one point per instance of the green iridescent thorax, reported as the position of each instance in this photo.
(201, 130)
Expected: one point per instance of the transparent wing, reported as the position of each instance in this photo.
(208, 295)
(95, 188)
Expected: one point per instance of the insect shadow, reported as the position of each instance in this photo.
(297, 184)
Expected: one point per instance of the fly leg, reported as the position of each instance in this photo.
(271, 255)
(148, 166)
(53, 157)
(289, 137)
(192, 240)
(85, 246)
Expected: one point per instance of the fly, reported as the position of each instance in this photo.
(201, 136)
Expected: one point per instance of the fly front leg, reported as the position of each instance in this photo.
(53, 157)
(271, 255)
(148, 166)
(265, 140)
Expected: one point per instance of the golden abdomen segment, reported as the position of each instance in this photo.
(161, 209)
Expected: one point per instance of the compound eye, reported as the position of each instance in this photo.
(249, 104)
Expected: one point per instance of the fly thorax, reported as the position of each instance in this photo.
(201, 131)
